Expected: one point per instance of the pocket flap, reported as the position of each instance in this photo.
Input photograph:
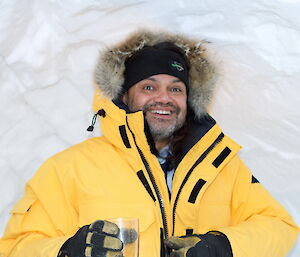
(23, 205)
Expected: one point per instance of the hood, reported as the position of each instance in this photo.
(109, 72)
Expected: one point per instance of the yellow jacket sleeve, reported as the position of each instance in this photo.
(32, 229)
(262, 227)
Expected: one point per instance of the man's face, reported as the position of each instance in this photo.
(163, 99)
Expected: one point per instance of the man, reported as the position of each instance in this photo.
(161, 159)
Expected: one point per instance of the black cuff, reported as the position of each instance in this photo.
(75, 245)
(63, 250)
(212, 244)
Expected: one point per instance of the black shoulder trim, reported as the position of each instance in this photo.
(146, 184)
(124, 136)
(200, 183)
(254, 180)
(222, 156)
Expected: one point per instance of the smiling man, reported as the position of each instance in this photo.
(156, 81)
(162, 158)
(163, 100)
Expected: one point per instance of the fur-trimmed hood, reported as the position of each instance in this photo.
(109, 72)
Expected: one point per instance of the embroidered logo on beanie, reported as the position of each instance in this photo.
(176, 65)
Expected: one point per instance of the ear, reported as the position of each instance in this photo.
(125, 98)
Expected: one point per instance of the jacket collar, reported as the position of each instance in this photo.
(121, 127)
(127, 129)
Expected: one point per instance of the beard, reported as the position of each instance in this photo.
(163, 128)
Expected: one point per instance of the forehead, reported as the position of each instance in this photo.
(161, 79)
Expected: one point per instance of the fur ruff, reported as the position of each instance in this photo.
(109, 72)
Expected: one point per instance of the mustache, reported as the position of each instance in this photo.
(175, 108)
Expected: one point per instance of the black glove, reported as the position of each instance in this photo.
(211, 244)
(98, 239)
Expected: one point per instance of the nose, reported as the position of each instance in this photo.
(163, 96)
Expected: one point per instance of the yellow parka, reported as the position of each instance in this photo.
(117, 175)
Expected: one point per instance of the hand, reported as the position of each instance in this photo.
(98, 239)
(181, 245)
(211, 244)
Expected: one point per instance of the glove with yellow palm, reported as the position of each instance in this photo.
(211, 244)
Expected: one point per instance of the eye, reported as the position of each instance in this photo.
(176, 89)
(148, 87)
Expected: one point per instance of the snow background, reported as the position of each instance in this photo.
(48, 50)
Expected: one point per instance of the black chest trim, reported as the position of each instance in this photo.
(193, 196)
(222, 156)
(146, 184)
(124, 136)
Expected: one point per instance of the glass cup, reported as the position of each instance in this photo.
(129, 235)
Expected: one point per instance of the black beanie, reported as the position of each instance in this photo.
(151, 61)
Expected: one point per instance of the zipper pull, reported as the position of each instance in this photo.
(102, 113)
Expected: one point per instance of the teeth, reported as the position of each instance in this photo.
(161, 112)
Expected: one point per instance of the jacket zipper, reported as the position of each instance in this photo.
(199, 160)
(158, 194)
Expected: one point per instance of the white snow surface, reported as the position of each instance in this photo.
(48, 50)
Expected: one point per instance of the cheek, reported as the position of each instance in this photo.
(182, 114)
(182, 104)
(137, 103)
